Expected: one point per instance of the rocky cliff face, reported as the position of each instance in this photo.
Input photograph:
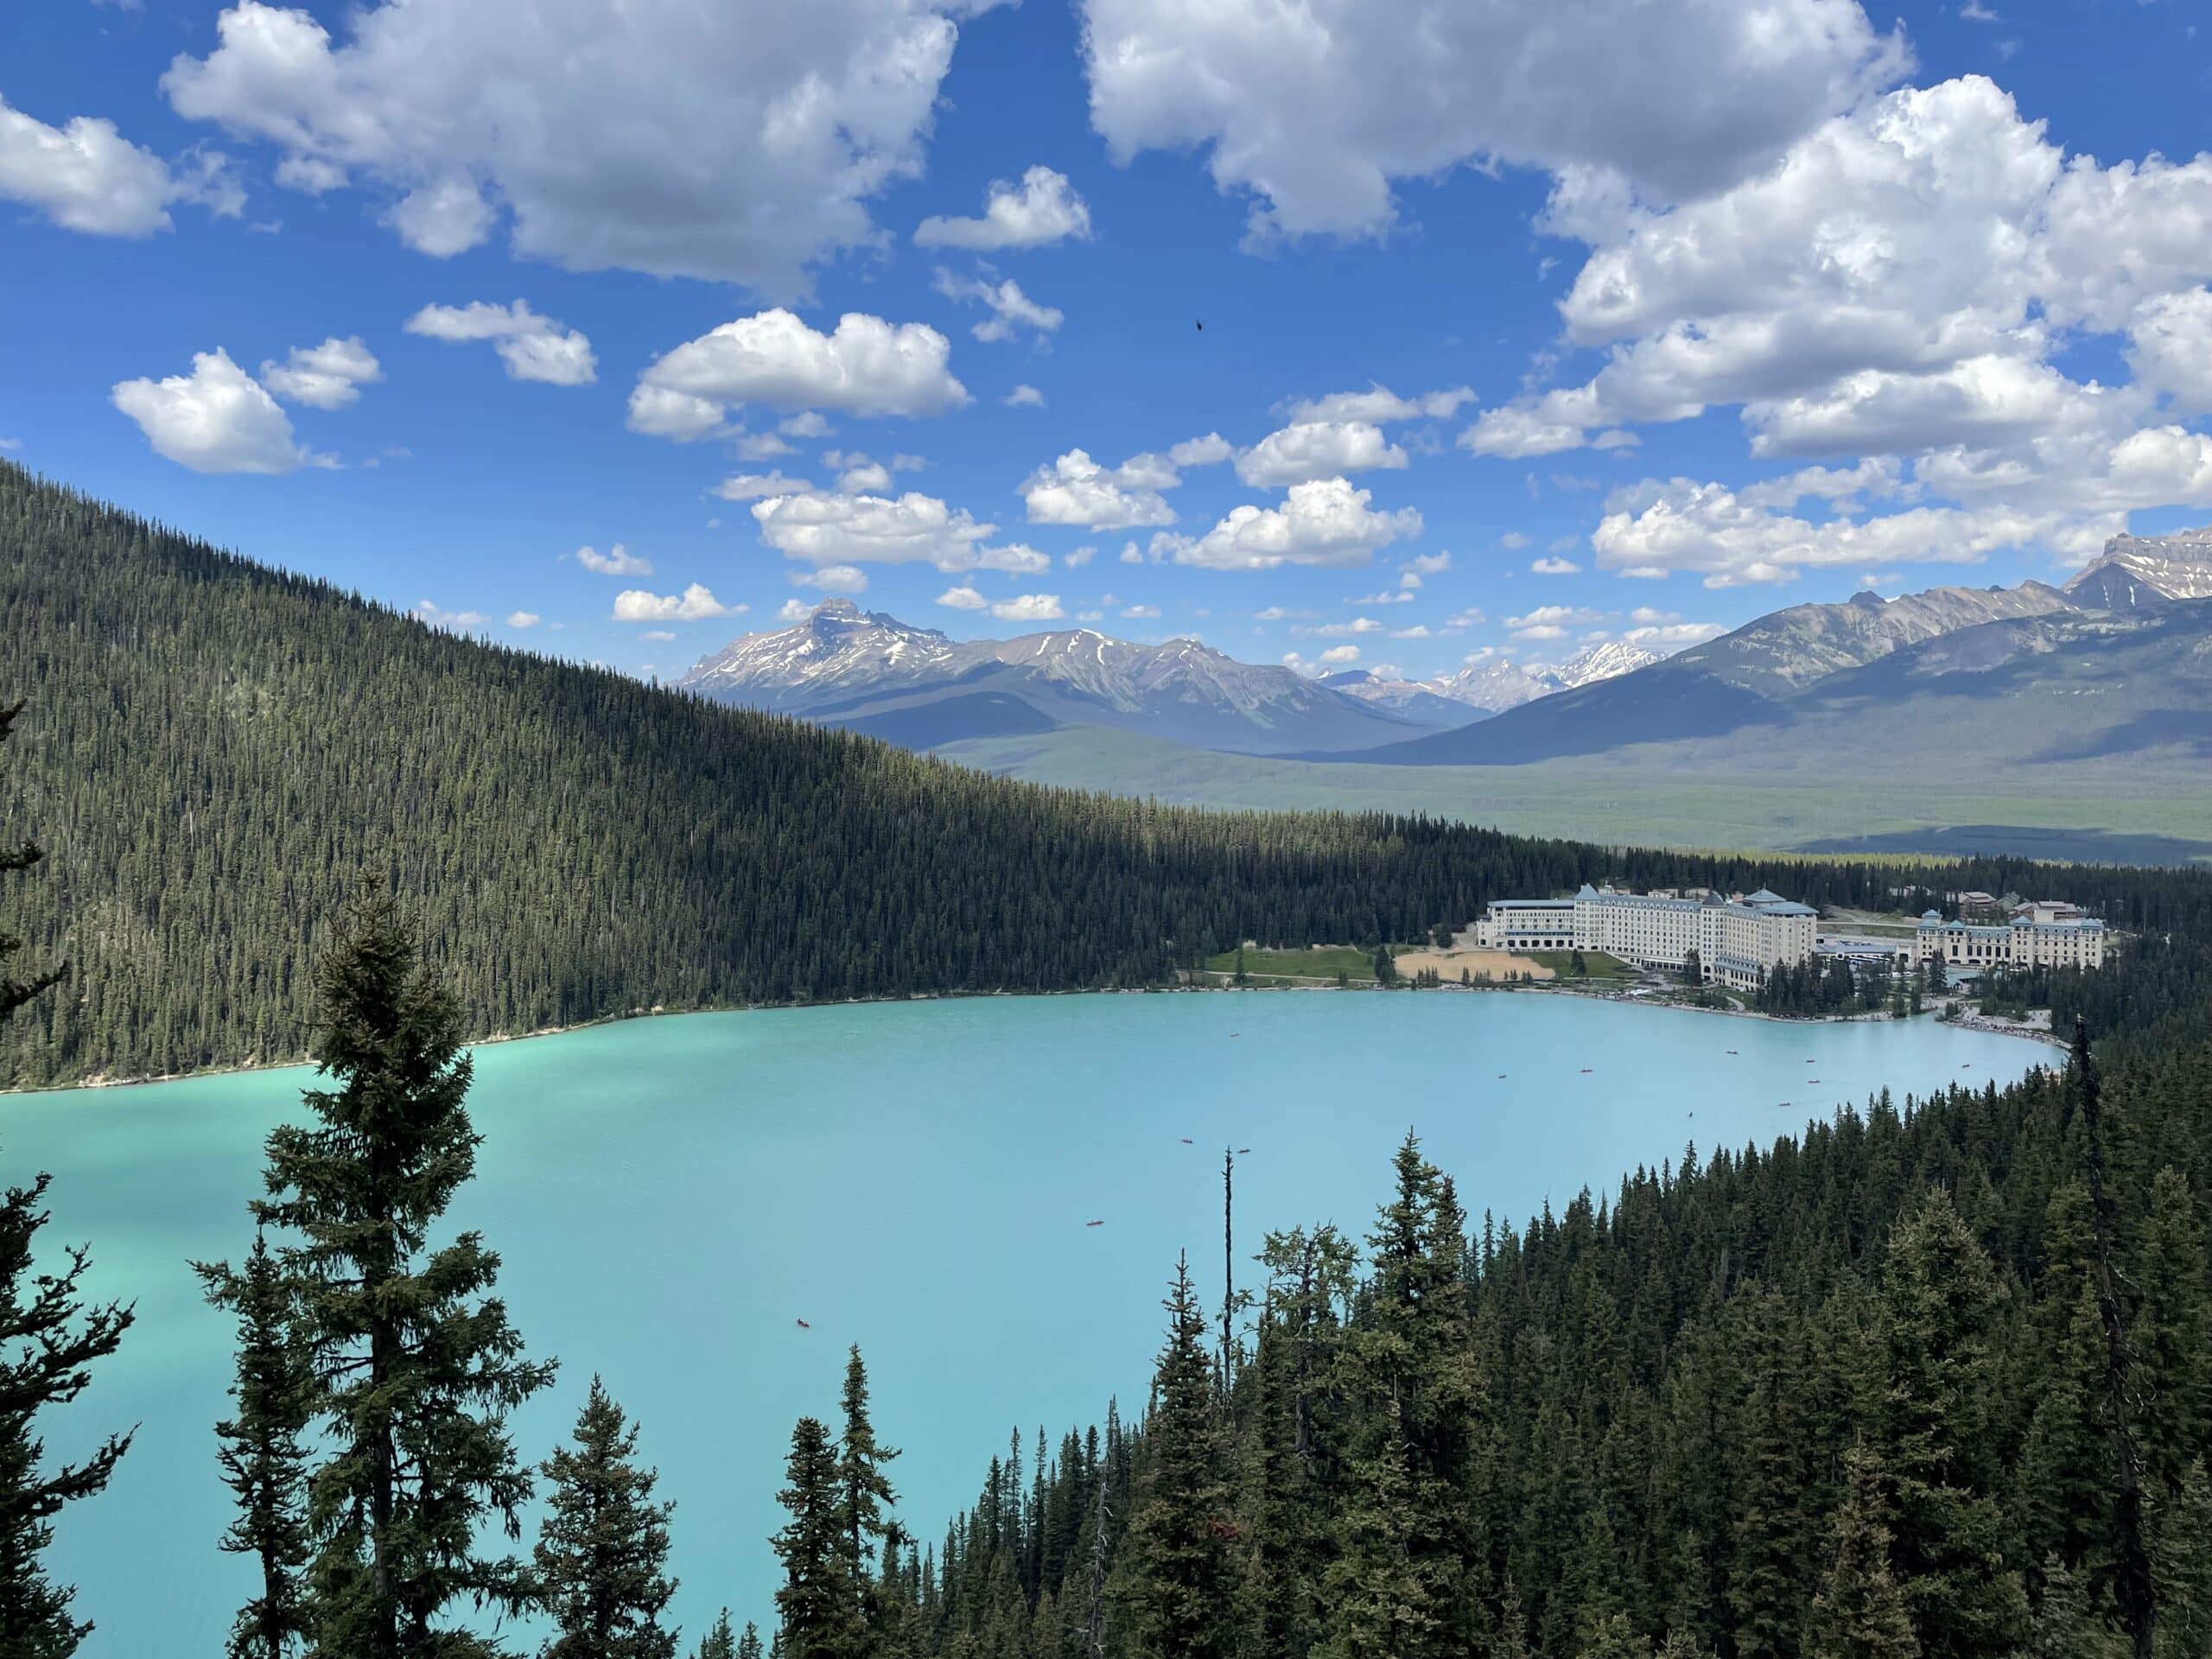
(2135, 572)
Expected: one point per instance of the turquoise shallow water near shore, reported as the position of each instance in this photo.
(672, 1195)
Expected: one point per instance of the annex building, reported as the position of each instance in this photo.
(2043, 934)
(1737, 941)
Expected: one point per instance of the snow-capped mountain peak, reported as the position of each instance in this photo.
(1606, 660)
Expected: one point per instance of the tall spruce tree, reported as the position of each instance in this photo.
(2131, 1553)
(1941, 1306)
(864, 1491)
(2069, 1625)
(261, 1454)
(1378, 1585)
(748, 1646)
(2172, 1335)
(2182, 1561)
(1409, 1365)
(1181, 1588)
(603, 1550)
(416, 1365)
(818, 1608)
(1859, 1612)
(719, 1643)
(49, 1339)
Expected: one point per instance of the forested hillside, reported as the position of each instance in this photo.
(216, 753)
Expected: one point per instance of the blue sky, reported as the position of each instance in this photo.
(1683, 314)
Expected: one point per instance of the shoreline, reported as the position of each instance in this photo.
(659, 1011)
(1973, 1023)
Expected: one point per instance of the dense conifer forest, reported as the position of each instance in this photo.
(216, 753)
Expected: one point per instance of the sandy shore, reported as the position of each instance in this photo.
(1479, 963)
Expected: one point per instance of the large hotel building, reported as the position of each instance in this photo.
(1736, 940)
(2040, 935)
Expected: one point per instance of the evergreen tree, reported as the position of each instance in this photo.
(720, 1643)
(2066, 1625)
(817, 1608)
(864, 1491)
(1511, 1639)
(1379, 1591)
(748, 1646)
(2181, 1559)
(2130, 1569)
(1941, 1302)
(1615, 1638)
(2173, 1334)
(603, 1550)
(2066, 1463)
(416, 1366)
(48, 1339)
(1181, 1593)
(1861, 1613)
(263, 1460)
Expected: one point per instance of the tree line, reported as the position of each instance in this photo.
(219, 748)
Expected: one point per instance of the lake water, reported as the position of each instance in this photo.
(672, 1195)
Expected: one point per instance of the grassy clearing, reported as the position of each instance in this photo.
(1318, 962)
(1596, 962)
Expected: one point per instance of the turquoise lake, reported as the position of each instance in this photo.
(672, 1195)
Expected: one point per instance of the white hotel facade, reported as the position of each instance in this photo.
(2040, 935)
(1737, 941)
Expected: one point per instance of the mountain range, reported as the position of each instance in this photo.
(2118, 660)
(1484, 688)
(2113, 664)
(870, 672)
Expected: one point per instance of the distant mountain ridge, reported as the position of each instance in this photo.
(1492, 687)
(2132, 631)
(870, 672)
(2140, 573)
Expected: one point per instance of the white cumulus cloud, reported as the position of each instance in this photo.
(1011, 309)
(1029, 607)
(328, 376)
(1379, 404)
(1076, 490)
(824, 528)
(87, 176)
(1315, 110)
(1307, 450)
(217, 419)
(865, 366)
(695, 603)
(1043, 208)
(739, 141)
(1324, 523)
(751, 487)
(617, 561)
(533, 347)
